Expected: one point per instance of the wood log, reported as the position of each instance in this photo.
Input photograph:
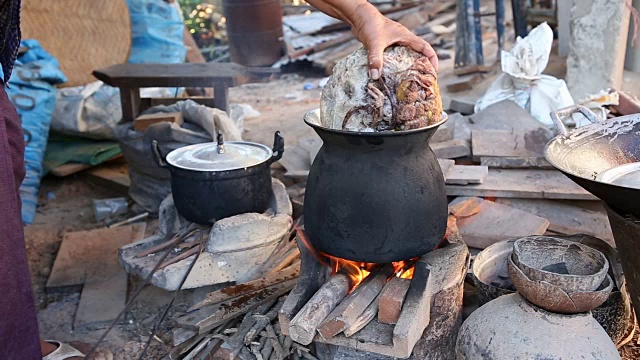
(345, 314)
(365, 318)
(262, 321)
(240, 290)
(287, 260)
(236, 342)
(207, 318)
(277, 346)
(313, 276)
(267, 349)
(303, 326)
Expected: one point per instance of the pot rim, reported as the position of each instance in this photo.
(445, 118)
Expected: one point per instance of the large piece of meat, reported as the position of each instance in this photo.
(406, 96)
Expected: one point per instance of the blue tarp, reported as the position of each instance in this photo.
(157, 33)
(31, 90)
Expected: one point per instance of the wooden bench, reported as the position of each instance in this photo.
(129, 78)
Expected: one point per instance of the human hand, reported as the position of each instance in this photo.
(377, 32)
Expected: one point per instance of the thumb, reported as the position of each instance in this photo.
(375, 58)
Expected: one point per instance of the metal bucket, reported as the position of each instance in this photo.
(254, 29)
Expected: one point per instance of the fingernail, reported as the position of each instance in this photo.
(374, 74)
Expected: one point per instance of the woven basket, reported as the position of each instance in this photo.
(83, 35)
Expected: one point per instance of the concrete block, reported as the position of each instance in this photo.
(443, 133)
(599, 30)
(451, 149)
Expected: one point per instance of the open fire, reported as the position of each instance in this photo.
(356, 271)
(379, 308)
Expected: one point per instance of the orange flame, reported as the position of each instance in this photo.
(357, 271)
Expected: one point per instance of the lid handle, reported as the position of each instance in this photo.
(220, 143)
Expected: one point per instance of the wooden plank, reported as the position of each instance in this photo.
(115, 174)
(451, 149)
(168, 75)
(463, 84)
(142, 122)
(568, 217)
(72, 168)
(466, 174)
(205, 319)
(251, 287)
(497, 222)
(505, 143)
(522, 183)
(516, 163)
(80, 252)
(105, 285)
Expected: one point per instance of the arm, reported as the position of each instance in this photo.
(375, 31)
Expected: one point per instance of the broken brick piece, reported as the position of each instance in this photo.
(465, 206)
(391, 300)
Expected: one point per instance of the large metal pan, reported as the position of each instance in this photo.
(586, 152)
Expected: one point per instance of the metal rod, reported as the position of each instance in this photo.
(500, 25)
(173, 299)
(477, 27)
(130, 220)
(138, 291)
(519, 17)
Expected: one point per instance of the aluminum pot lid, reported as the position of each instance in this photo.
(211, 157)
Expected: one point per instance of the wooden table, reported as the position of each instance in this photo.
(131, 77)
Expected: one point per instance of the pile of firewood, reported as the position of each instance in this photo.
(238, 321)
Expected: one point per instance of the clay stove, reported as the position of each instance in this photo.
(235, 250)
(422, 325)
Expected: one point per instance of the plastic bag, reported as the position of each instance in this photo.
(522, 80)
(31, 90)
(90, 111)
(151, 184)
(157, 33)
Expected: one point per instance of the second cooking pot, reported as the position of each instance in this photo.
(216, 180)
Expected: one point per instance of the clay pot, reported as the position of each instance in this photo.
(569, 265)
(614, 315)
(556, 299)
(512, 328)
(490, 272)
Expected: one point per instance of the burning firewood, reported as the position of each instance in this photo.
(364, 319)
(348, 311)
(303, 326)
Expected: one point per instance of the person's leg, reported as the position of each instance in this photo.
(19, 337)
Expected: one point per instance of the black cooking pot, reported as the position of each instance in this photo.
(212, 181)
(375, 197)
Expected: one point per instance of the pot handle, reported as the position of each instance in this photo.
(278, 148)
(157, 155)
(557, 116)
